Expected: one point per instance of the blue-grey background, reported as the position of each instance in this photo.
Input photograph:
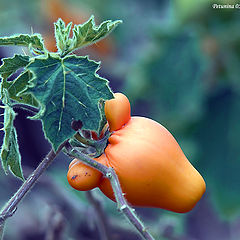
(179, 64)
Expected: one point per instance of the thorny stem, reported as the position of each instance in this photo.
(9, 209)
(119, 196)
(11, 206)
(101, 221)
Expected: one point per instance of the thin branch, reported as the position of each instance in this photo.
(55, 225)
(1, 231)
(119, 196)
(125, 208)
(28, 108)
(101, 221)
(9, 209)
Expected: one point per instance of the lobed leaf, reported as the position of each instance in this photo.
(62, 35)
(15, 88)
(88, 33)
(25, 40)
(11, 65)
(83, 34)
(67, 89)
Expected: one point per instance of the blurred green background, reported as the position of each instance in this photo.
(179, 64)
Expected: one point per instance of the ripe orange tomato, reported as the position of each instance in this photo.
(117, 111)
(83, 177)
(152, 169)
(75, 160)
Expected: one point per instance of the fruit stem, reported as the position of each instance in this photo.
(99, 145)
(11, 206)
(84, 140)
(119, 196)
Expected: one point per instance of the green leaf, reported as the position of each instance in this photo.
(88, 33)
(10, 155)
(17, 86)
(11, 65)
(83, 34)
(35, 41)
(62, 35)
(67, 89)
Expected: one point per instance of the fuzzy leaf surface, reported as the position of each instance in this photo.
(88, 33)
(83, 34)
(11, 65)
(25, 40)
(15, 88)
(10, 156)
(67, 89)
(62, 35)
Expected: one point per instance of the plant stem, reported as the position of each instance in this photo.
(89, 161)
(119, 196)
(11, 206)
(124, 207)
(1, 231)
(28, 108)
(84, 140)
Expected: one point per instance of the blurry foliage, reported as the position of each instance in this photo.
(189, 81)
(179, 64)
(217, 135)
(171, 75)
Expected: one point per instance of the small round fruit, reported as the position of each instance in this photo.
(117, 111)
(83, 177)
(75, 160)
